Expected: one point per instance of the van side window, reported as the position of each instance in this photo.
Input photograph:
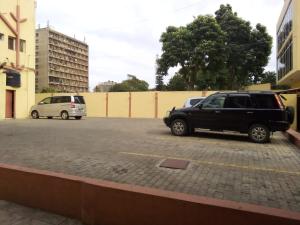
(61, 99)
(46, 100)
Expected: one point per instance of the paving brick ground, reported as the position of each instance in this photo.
(130, 151)
(13, 214)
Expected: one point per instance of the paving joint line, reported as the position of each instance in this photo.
(213, 163)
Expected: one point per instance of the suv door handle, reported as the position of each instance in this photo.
(217, 112)
(250, 112)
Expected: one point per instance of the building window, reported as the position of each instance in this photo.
(285, 60)
(285, 27)
(1, 37)
(11, 43)
(22, 45)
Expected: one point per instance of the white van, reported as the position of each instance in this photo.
(60, 106)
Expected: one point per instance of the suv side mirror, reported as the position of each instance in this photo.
(200, 106)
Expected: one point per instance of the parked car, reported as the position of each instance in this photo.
(255, 113)
(60, 106)
(192, 101)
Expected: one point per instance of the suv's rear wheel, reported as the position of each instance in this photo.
(259, 133)
(179, 127)
(64, 115)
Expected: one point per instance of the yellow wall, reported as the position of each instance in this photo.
(292, 101)
(293, 77)
(142, 103)
(259, 87)
(25, 95)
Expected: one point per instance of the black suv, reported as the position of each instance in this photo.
(255, 113)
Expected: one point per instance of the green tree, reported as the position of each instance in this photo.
(131, 84)
(196, 47)
(268, 77)
(177, 83)
(221, 52)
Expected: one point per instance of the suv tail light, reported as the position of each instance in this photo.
(280, 104)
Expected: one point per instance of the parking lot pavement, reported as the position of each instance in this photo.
(131, 150)
(13, 214)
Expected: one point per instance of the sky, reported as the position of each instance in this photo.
(123, 36)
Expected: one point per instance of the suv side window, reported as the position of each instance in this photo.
(238, 102)
(264, 101)
(216, 102)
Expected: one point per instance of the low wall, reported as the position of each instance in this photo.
(132, 104)
(100, 202)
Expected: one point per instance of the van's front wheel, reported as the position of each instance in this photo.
(64, 115)
(35, 114)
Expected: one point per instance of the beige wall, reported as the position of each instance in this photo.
(259, 87)
(143, 104)
(25, 96)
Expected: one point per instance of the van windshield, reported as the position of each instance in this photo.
(79, 100)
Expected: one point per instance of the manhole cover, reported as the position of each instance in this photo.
(175, 164)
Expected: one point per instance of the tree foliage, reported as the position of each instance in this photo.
(221, 52)
(177, 83)
(131, 84)
(268, 77)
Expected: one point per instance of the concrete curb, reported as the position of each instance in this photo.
(102, 202)
(293, 136)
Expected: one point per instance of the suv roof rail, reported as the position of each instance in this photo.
(244, 92)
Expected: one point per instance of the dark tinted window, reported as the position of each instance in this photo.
(264, 101)
(79, 100)
(195, 101)
(238, 102)
(61, 99)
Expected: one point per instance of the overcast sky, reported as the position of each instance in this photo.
(123, 36)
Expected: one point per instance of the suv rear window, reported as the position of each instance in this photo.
(264, 101)
(79, 100)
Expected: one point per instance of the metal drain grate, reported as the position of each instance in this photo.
(175, 164)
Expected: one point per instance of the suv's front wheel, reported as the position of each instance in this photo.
(259, 133)
(179, 127)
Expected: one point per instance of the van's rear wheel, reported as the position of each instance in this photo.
(179, 127)
(34, 114)
(64, 115)
(259, 133)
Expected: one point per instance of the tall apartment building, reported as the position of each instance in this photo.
(17, 58)
(288, 44)
(62, 62)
